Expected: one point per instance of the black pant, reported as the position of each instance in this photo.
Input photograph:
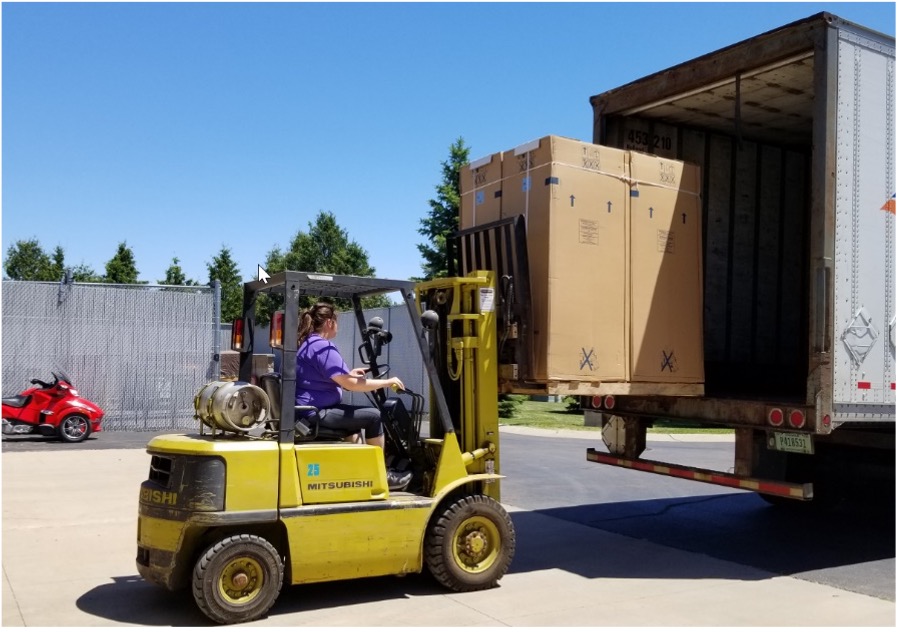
(352, 419)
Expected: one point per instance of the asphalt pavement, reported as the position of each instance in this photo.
(68, 549)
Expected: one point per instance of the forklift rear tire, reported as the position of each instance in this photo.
(238, 579)
(470, 544)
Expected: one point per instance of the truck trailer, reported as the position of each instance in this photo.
(794, 132)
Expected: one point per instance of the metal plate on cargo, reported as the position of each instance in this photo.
(791, 442)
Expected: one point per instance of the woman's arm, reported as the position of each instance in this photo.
(360, 384)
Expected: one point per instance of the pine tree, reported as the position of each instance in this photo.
(176, 276)
(224, 269)
(443, 218)
(57, 264)
(325, 248)
(121, 268)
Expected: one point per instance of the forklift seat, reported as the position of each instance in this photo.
(271, 383)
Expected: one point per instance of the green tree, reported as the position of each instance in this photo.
(224, 269)
(325, 248)
(27, 261)
(121, 268)
(57, 263)
(175, 275)
(443, 217)
(508, 405)
(84, 274)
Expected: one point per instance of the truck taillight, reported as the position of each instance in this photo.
(775, 417)
(796, 418)
(238, 334)
(277, 330)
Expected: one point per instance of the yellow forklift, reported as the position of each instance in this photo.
(254, 499)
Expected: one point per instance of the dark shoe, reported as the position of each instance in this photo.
(398, 481)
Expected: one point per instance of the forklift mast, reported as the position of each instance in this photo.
(501, 247)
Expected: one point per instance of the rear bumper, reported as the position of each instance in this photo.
(159, 541)
(797, 491)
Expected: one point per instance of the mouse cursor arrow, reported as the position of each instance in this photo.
(262, 275)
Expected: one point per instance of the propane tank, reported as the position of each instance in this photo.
(232, 406)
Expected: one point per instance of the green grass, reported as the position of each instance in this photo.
(554, 416)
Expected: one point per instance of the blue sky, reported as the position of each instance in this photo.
(180, 128)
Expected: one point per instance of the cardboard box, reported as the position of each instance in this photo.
(480, 191)
(666, 275)
(614, 242)
(574, 197)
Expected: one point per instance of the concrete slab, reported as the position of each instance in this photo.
(68, 545)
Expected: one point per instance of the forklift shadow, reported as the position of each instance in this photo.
(130, 600)
(328, 596)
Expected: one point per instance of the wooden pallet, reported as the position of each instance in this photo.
(573, 387)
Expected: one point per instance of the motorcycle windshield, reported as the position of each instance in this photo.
(61, 376)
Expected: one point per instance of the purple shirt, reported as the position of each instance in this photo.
(318, 360)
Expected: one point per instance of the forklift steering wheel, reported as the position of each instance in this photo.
(382, 371)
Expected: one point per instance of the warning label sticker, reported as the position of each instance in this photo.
(589, 232)
(486, 299)
(666, 241)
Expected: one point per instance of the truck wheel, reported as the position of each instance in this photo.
(74, 428)
(238, 579)
(470, 545)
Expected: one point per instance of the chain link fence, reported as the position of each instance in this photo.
(140, 352)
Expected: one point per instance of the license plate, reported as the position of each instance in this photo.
(793, 442)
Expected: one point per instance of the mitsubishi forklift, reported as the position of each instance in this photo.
(254, 499)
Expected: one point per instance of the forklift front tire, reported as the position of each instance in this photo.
(470, 545)
(238, 579)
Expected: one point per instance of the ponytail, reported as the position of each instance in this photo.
(313, 319)
(304, 327)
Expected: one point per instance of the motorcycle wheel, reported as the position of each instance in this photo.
(74, 429)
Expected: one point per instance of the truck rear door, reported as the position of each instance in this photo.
(864, 296)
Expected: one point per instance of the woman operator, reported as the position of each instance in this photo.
(322, 377)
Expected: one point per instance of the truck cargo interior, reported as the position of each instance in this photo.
(747, 120)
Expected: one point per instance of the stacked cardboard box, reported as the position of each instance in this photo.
(573, 196)
(665, 271)
(480, 192)
(615, 260)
